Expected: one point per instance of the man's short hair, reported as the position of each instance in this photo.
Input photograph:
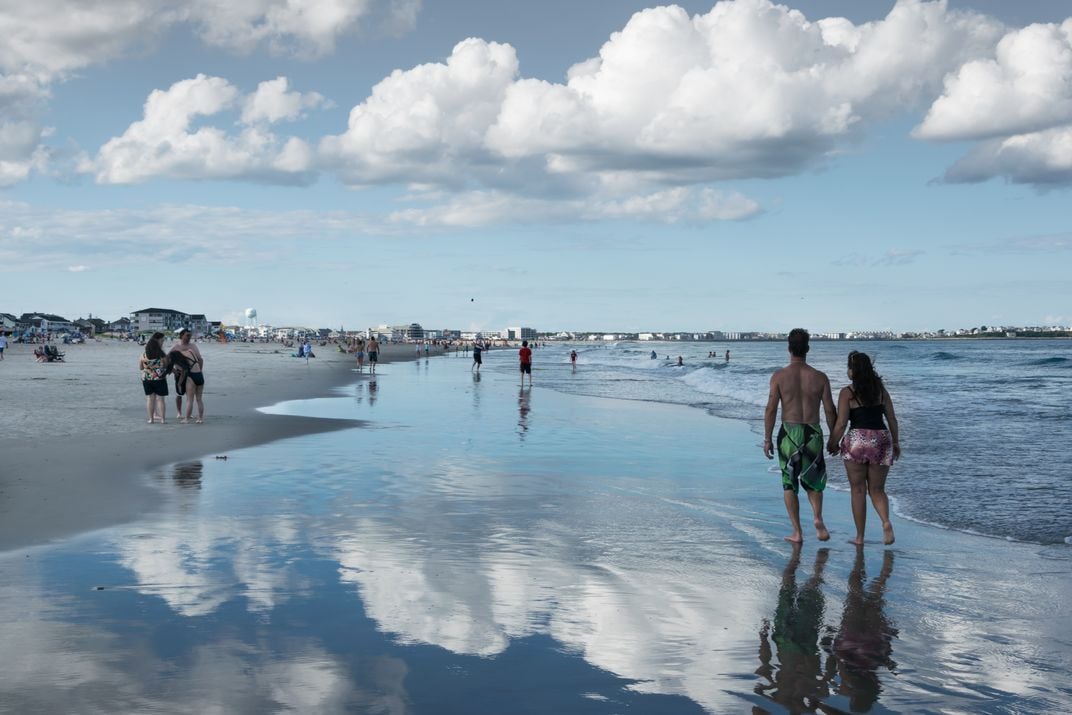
(798, 342)
(524, 343)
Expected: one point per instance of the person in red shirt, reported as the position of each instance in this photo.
(525, 355)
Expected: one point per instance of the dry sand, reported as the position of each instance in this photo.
(74, 438)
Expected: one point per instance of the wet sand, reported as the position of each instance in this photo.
(74, 438)
(482, 549)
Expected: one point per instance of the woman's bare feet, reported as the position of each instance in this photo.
(887, 533)
(858, 541)
(796, 538)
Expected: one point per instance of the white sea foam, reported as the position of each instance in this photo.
(750, 389)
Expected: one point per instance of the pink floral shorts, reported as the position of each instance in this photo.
(867, 446)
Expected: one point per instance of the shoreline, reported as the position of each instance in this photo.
(72, 460)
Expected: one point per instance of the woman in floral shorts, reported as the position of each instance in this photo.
(870, 447)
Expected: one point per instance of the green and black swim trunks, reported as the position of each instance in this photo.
(800, 455)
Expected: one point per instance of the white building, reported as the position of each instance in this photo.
(519, 333)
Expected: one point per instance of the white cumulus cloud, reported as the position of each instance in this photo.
(1041, 159)
(44, 41)
(750, 89)
(164, 144)
(426, 123)
(273, 103)
(21, 130)
(1026, 87)
(36, 40)
(1018, 104)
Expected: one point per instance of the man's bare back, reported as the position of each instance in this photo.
(801, 389)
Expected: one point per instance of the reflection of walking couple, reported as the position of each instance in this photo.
(803, 677)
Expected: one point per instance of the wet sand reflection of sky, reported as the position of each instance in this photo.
(443, 565)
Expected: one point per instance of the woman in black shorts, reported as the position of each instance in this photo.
(153, 366)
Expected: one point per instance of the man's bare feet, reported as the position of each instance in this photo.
(794, 538)
(858, 541)
(821, 532)
(887, 533)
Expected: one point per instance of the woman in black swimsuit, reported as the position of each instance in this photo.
(869, 448)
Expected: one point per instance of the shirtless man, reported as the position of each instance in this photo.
(373, 353)
(800, 389)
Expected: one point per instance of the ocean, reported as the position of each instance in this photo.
(984, 423)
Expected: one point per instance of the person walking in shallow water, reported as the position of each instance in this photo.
(525, 357)
(800, 389)
(373, 354)
(477, 360)
(869, 448)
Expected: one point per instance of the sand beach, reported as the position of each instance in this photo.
(73, 434)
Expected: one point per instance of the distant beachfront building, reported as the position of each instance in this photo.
(90, 326)
(8, 321)
(413, 331)
(123, 325)
(39, 323)
(166, 320)
(519, 333)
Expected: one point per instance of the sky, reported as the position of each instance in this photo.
(562, 164)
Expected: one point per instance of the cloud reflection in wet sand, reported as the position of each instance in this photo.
(315, 575)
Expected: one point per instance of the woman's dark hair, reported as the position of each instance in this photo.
(153, 349)
(866, 383)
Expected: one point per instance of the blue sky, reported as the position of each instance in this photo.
(741, 165)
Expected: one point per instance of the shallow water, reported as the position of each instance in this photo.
(985, 424)
(483, 549)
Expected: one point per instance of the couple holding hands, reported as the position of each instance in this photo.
(868, 448)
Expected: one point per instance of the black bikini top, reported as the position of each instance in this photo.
(867, 417)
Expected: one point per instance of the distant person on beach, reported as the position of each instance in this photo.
(477, 360)
(869, 448)
(800, 390)
(653, 355)
(195, 378)
(360, 345)
(3, 344)
(180, 368)
(680, 361)
(373, 354)
(573, 358)
(727, 356)
(525, 357)
(153, 367)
